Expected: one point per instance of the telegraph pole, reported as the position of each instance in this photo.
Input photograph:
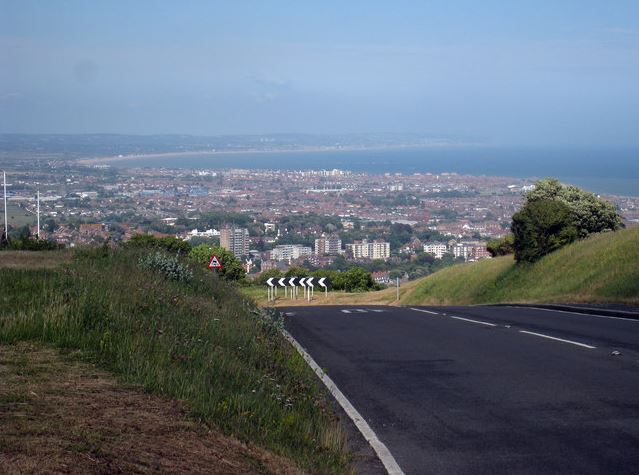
(6, 229)
(38, 226)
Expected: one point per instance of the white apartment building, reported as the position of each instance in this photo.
(369, 250)
(288, 252)
(437, 249)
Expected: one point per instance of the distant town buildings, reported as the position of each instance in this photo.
(289, 252)
(437, 249)
(235, 240)
(369, 250)
(328, 245)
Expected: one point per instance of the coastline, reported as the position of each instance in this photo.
(124, 158)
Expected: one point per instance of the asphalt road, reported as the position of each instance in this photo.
(485, 389)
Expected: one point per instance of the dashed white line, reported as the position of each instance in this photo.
(579, 313)
(378, 446)
(474, 321)
(346, 311)
(361, 310)
(425, 311)
(558, 339)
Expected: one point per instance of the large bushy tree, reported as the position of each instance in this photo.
(540, 227)
(590, 213)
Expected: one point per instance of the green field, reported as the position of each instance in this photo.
(199, 342)
(17, 216)
(601, 269)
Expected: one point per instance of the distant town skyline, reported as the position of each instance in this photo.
(531, 73)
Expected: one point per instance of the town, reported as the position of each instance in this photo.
(395, 225)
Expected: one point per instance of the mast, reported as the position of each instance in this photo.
(6, 228)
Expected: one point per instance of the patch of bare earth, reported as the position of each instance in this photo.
(33, 259)
(61, 416)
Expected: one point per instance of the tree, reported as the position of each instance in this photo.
(541, 227)
(589, 213)
(232, 268)
(501, 247)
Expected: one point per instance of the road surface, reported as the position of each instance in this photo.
(485, 389)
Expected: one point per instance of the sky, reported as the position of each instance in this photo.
(547, 73)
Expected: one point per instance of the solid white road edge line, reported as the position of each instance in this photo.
(425, 311)
(378, 446)
(474, 321)
(558, 339)
(579, 313)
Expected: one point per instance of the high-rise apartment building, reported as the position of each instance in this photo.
(328, 245)
(369, 250)
(235, 240)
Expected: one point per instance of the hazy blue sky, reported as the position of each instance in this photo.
(545, 72)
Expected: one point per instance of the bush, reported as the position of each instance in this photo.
(170, 267)
(232, 268)
(501, 247)
(541, 227)
(589, 213)
(169, 243)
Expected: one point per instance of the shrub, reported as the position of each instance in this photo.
(501, 247)
(541, 227)
(170, 267)
(589, 213)
(169, 243)
(232, 268)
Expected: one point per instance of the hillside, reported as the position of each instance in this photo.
(602, 268)
(196, 341)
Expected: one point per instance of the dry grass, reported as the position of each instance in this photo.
(33, 259)
(61, 416)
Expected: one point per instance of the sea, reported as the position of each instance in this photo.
(604, 171)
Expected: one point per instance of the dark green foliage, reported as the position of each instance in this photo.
(541, 227)
(148, 241)
(26, 242)
(231, 270)
(501, 247)
(589, 213)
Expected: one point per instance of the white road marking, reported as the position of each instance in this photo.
(580, 313)
(378, 446)
(361, 310)
(425, 311)
(377, 310)
(474, 321)
(559, 339)
(346, 311)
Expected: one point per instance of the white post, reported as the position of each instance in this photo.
(6, 228)
(38, 226)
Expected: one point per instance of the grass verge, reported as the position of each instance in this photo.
(601, 269)
(199, 342)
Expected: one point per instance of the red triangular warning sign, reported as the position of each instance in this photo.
(215, 263)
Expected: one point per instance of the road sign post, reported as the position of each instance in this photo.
(311, 288)
(271, 291)
(321, 283)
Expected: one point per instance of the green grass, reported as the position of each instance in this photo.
(17, 216)
(603, 268)
(200, 342)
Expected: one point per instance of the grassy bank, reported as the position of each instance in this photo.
(199, 342)
(603, 268)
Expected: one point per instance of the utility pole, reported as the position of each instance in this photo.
(397, 284)
(38, 226)
(6, 228)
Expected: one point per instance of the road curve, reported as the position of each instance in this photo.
(485, 389)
